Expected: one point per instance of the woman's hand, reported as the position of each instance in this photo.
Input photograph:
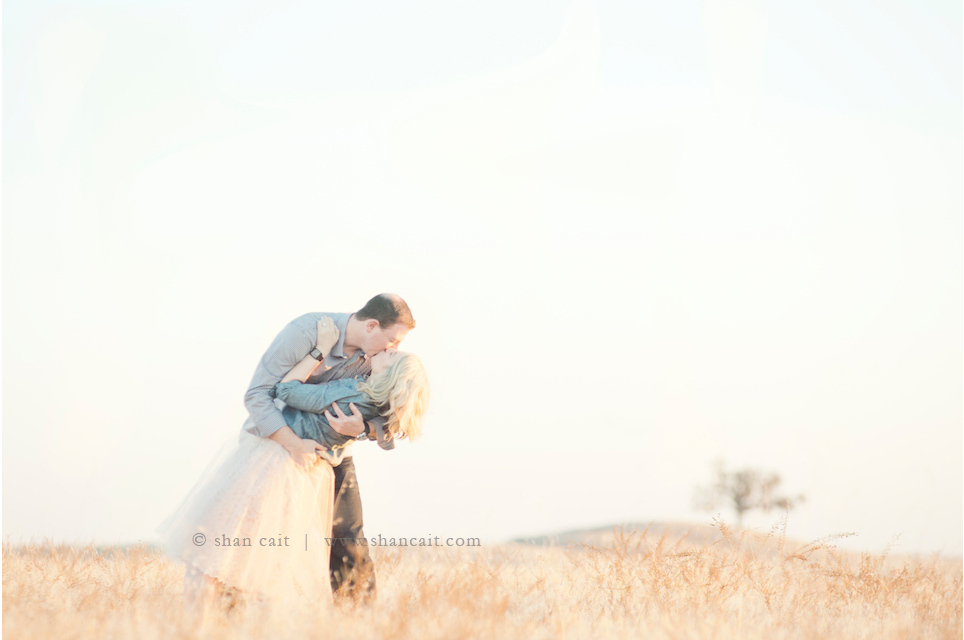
(327, 335)
(325, 340)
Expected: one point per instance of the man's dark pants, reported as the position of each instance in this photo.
(352, 569)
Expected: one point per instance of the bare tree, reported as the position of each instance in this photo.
(743, 490)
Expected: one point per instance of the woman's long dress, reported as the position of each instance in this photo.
(258, 522)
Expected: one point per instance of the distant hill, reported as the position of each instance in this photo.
(677, 537)
(605, 536)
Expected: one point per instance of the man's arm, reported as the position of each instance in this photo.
(286, 351)
(302, 450)
(385, 440)
(288, 348)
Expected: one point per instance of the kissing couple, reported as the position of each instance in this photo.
(277, 517)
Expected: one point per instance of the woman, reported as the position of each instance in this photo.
(255, 523)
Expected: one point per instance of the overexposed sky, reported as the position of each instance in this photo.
(636, 237)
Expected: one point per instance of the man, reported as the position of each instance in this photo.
(381, 324)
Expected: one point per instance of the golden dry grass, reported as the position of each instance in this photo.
(639, 586)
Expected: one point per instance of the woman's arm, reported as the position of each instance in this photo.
(302, 370)
(315, 398)
(327, 337)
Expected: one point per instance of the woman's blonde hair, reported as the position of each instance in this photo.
(401, 394)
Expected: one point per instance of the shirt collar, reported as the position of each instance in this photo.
(341, 322)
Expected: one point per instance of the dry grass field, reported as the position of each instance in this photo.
(630, 585)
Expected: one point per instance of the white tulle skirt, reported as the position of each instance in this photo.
(257, 522)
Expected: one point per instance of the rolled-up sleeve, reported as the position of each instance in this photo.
(288, 348)
(385, 439)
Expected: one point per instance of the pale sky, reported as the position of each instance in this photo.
(637, 237)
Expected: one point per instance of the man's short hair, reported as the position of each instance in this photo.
(389, 309)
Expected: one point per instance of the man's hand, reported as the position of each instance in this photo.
(302, 450)
(305, 453)
(353, 425)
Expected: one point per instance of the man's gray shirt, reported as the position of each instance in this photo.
(291, 345)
